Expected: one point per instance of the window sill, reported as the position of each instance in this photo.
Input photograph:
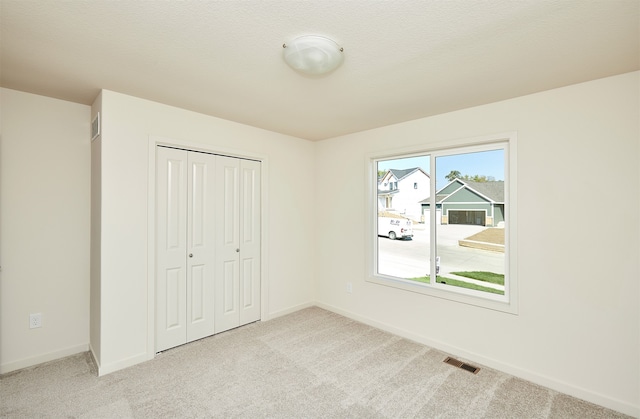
(461, 295)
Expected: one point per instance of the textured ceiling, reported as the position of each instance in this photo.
(403, 59)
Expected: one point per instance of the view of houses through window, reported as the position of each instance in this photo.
(442, 219)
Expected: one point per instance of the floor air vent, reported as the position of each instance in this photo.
(462, 365)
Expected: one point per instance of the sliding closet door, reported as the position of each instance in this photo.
(207, 245)
(185, 246)
(227, 303)
(238, 243)
(200, 245)
(250, 218)
(171, 247)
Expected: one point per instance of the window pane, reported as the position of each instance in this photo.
(402, 231)
(470, 220)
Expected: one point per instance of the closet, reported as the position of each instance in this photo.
(207, 244)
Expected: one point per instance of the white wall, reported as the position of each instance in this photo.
(578, 324)
(44, 228)
(289, 168)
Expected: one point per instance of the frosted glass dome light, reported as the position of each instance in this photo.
(313, 54)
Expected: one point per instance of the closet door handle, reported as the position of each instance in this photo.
(190, 255)
(238, 250)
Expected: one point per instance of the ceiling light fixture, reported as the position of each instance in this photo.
(313, 54)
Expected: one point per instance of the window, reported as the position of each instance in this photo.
(455, 242)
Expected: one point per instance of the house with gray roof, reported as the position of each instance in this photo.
(468, 202)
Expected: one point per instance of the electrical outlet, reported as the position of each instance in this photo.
(35, 320)
(349, 287)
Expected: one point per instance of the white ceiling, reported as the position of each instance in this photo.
(403, 59)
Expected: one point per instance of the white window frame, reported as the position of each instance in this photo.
(508, 302)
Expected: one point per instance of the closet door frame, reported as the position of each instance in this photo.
(153, 143)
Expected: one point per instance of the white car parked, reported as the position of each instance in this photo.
(394, 226)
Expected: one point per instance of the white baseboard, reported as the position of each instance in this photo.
(39, 359)
(290, 310)
(557, 385)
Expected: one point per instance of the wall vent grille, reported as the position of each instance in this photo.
(461, 365)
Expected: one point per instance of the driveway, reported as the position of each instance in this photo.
(410, 258)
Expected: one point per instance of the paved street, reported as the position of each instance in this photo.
(410, 258)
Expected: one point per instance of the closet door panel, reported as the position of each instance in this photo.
(196, 303)
(174, 279)
(171, 245)
(227, 244)
(250, 222)
(228, 292)
(201, 245)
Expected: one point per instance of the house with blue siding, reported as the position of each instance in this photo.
(468, 202)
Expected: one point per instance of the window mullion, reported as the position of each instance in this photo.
(433, 213)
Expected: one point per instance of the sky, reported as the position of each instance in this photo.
(484, 163)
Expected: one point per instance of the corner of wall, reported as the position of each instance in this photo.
(96, 237)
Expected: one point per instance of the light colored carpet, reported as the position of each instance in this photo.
(309, 364)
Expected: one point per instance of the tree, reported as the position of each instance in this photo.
(476, 178)
(454, 174)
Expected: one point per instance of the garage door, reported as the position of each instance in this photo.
(426, 214)
(467, 217)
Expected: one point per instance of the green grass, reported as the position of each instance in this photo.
(461, 284)
(483, 276)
